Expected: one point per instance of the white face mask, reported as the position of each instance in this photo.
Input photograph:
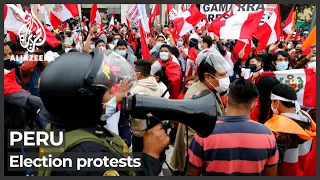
(164, 56)
(111, 107)
(179, 43)
(121, 52)
(275, 111)
(223, 84)
(92, 46)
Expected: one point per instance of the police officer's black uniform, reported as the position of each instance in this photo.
(72, 88)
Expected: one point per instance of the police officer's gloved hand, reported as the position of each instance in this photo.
(155, 141)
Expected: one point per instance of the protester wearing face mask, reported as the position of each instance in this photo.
(237, 146)
(69, 40)
(101, 45)
(255, 67)
(294, 130)
(280, 61)
(212, 72)
(154, 52)
(173, 71)
(122, 49)
(309, 61)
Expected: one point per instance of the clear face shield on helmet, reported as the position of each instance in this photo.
(215, 58)
(113, 69)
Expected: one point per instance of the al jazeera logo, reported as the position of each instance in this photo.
(32, 34)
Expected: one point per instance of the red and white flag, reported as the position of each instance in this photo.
(128, 22)
(154, 13)
(240, 26)
(243, 46)
(270, 31)
(63, 12)
(187, 20)
(181, 8)
(303, 82)
(13, 21)
(144, 17)
(144, 46)
(95, 16)
(171, 12)
(11, 36)
(33, 25)
(41, 8)
(288, 26)
(111, 24)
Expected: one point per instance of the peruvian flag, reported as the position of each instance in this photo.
(187, 20)
(270, 31)
(95, 16)
(192, 56)
(63, 12)
(12, 19)
(240, 26)
(243, 45)
(171, 12)
(144, 17)
(290, 22)
(154, 13)
(111, 24)
(181, 7)
(41, 8)
(144, 46)
(302, 80)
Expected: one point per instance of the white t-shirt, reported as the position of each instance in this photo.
(163, 89)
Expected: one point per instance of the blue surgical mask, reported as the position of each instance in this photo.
(111, 108)
(199, 47)
(121, 52)
(164, 56)
(19, 61)
(179, 43)
(282, 66)
(115, 42)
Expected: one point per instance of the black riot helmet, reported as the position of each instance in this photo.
(72, 87)
(211, 62)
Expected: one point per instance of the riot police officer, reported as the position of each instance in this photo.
(76, 90)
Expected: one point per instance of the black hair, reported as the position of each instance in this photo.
(174, 51)
(98, 41)
(165, 46)
(94, 39)
(259, 59)
(205, 67)
(207, 39)
(15, 46)
(265, 85)
(242, 92)
(121, 36)
(109, 38)
(122, 43)
(143, 66)
(161, 36)
(287, 92)
(73, 50)
(193, 42)
(282, 53)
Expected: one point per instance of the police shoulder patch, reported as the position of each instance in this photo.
(111, 173)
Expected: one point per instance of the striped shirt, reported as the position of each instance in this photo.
(237, 146)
